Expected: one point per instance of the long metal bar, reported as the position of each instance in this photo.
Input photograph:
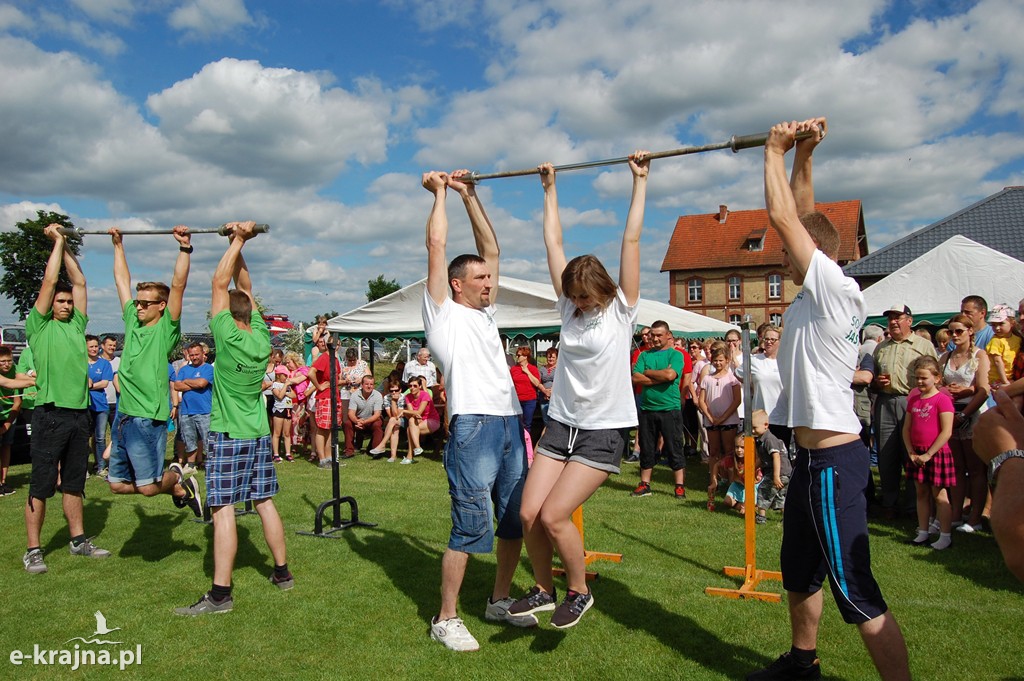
(222, 230)
(736, 143)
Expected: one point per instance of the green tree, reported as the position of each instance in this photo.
(380, 287)
(23, 256)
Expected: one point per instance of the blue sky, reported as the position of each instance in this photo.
(318, 117)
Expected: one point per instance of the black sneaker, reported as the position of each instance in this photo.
(632, 458)
(535, 600)
(642, 490)
(206, 606)
(571, 610)
(193, 498)
(785, 668)
(6, 491)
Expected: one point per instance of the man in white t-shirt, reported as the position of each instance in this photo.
(485, 457)
(421, 367)
(825, 526)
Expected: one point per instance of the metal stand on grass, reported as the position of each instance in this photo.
(752, 576)
(588, 556)
(336, 500)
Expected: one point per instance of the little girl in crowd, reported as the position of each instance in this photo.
(926, 432)
(718, 401)
(732, 466)
(1003, 347)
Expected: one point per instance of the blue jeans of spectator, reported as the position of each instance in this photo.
(99, 436)
(529, 406)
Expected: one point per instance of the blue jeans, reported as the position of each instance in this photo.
(140, 453)
(194, 429)
(486, 464)
(99, 436)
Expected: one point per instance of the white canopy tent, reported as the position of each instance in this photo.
(524, 308)
(933, 285)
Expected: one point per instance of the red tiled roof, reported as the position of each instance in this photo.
(701, 242)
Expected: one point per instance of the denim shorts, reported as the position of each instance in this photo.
(194, 428)
(141, 450)
(485, 459)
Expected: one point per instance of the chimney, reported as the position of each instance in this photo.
(723, 211)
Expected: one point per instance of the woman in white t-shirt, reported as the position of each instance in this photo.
(590, 411)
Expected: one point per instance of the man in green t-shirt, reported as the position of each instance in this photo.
(60, 421)
(152, 331)
(239, 466)
(658, 371)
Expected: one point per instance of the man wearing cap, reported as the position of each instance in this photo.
(892, 383)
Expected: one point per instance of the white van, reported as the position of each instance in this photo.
(13, 336)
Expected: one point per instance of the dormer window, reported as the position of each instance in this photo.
(755, 240)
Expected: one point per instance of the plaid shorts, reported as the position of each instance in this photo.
(940, 471)
(238, 470)
(323, 412)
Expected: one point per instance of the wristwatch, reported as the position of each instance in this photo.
(186, 249)
(993, 466)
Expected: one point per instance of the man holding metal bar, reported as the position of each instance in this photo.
(485, 458)
(825, 529)
(152, 330)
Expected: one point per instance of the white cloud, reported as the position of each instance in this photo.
(118, 12)
(206, 18)
(12, 18)
(13, 213)
(82, 33)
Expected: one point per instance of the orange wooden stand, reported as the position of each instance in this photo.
(588, 556)
(751, 575)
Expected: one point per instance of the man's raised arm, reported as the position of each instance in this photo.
(44, 301)
(437, 236)
(79, 293)
(122, 277)
(483, 230)
(227, 267)
(181, 266)
(779, 198)
(802, 180)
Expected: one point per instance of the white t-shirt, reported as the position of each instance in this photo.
(115, 364)
(427, 371)
(593, 376)
(467, 344)
(766, 383)
(818, 351)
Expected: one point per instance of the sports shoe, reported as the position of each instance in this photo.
(87, 548)
(642, 490)
(188, 469)
(632, 458)
(206, 606)
(278, 459)
(786, 667)
(33, 561)
(453, 634)
(193, 498)
(968, 528)
(761, 519)
(326, 463)
(498, 612)
(177, 470)
(282, 583)
(417, 451)
(407, 461)
(392, 460)
(377, 451)
(6, 491)
(569, 613)
(680, 492)
(535, 600)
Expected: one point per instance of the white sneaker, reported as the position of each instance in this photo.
(968, 528)
(417, 451)
(453, 634)
(498, 612)
(377, 450)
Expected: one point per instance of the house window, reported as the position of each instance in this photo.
(775, 286)
(734, 288)
(776, 319)
(735, 318)
(695, 291)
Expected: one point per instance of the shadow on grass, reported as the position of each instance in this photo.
(717, 572)
(413, 567)
(94, 518)
(153, 538)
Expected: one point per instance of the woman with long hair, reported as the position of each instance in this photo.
(590, 421)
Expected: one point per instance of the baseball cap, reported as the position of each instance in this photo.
(1000, 313)
(898, 309)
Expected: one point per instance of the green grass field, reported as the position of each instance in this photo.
(362, 602)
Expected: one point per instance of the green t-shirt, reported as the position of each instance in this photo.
(661, 396)
(7, 395)
(238, 406)
(62, 362)
(145, 391)
(25, 365)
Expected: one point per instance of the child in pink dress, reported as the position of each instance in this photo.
(926, 432)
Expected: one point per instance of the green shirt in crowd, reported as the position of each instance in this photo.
(145, 391)
(25, 365)
(660, 396)
(62, 362)
(7, 395)
(238, 406)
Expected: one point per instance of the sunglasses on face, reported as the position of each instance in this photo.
(144, 304)
(957, 332)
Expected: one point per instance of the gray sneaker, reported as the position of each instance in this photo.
(206, 606)
(535, 600)
(498, 612)
(87, 548)
(33, 561)
(284, 583)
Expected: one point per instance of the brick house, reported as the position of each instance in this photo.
(729, 264)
